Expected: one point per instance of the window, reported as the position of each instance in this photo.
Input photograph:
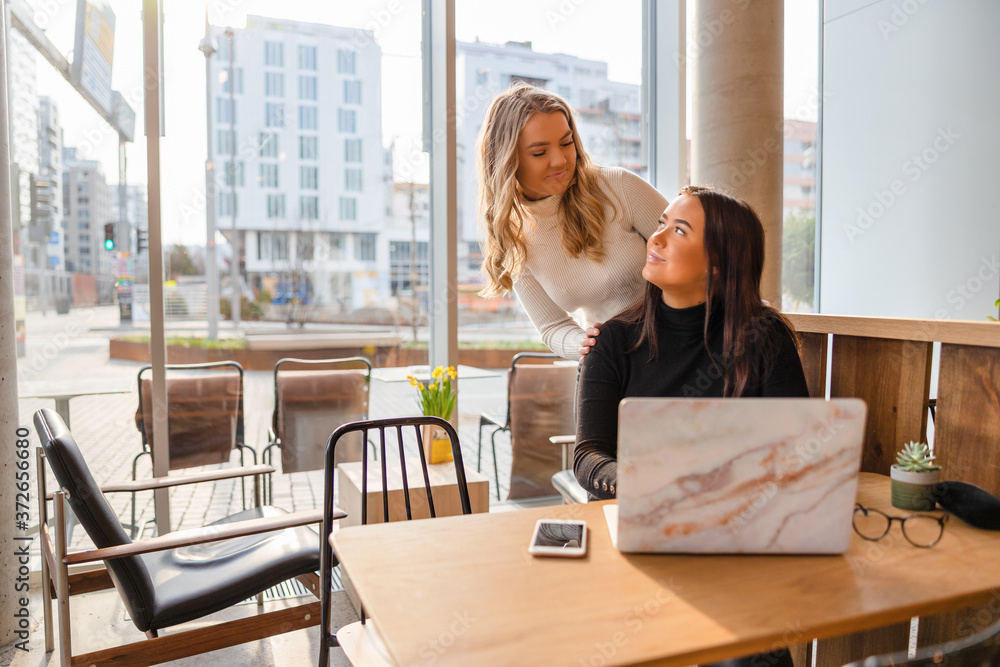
(233, 173)
(274, 84)
(305, 246)
(308, 148)
(483, 77)
(83, 226)
(347, 120)
(352, 180)
(224, 46)
(274, 54)
(309, 178)
(83, 188)
(364, 247)
(268, 144)
(335, 242)
(565, 92)
(227, 204)
(224, 145)
(222, 110)
(238, 76)
(308, 118)
(83, 213)
(307, 88)
(352, 92)
(345, 61)
(352, 150)
(307, 57)
(279, 246)
(268, 176)
(309, 208)
(348, 208)
(83, 201)
(274, 114)
(276, 206)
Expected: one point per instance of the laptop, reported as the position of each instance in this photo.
(727, 476)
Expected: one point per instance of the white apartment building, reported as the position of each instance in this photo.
(86, 208)
(309, 174)
(608, 113)
(50, 170)
(23, 119)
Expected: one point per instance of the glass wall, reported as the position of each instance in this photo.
(586, 54)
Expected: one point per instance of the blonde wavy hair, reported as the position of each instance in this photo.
(501, 199)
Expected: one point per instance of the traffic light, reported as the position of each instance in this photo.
(141, 241)
(109, 236)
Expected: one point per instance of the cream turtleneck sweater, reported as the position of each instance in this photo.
(552, 285)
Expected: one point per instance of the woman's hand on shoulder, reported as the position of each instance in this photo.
(591, 339)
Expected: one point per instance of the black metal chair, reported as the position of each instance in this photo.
(501, 424)
(327, 559)
(174, 578)
(312, 397)
(204, 416)
(979, 650)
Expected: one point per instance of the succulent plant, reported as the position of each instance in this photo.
(916, 457)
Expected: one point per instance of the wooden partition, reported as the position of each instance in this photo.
(887, 362)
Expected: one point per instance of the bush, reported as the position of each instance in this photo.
(249, 310)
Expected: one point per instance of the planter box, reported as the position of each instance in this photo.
(383, 354)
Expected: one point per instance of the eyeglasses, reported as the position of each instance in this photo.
(920, 530)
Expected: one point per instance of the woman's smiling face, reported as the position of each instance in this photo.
(546, 154)
(675, 254)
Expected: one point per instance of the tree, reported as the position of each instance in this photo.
(180, 263)
(798, 263)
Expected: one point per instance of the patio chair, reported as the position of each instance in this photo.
(360, 643)
(204, 417)
(540, 400)
(174, 578)
(309, 403)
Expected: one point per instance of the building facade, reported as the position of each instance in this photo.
(86, 208)
(306, 188)
(50, 170)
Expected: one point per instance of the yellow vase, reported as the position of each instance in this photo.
(437, 444)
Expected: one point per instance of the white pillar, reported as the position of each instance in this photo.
(152, 70)
(439, 49)
(737, 141)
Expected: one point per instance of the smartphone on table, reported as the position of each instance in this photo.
(559, 537)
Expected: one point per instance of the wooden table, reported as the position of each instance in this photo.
(63, 390)
(465, 591)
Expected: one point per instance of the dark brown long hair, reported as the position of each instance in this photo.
(734, 247)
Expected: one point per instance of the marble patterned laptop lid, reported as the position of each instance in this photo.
(753, 475)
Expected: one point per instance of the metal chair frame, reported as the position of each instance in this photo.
(327, 557)
(273, 441)
(499, 425)
(240, 444)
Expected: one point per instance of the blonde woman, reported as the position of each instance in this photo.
(559, 231)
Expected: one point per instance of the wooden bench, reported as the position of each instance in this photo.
(888, 363)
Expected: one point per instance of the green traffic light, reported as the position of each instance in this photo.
(109, 244)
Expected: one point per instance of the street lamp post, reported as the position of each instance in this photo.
(207, 46)
(235, 265)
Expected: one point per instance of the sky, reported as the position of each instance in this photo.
(589, 29)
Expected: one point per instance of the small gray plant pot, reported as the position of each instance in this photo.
(913, 490)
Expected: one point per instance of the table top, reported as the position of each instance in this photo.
(72, 388)
(479, 597)
(400, 373)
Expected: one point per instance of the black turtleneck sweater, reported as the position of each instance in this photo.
(683, 368)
